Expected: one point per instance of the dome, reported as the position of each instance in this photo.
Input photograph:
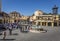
(38, 12)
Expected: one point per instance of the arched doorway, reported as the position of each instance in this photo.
(43, 23)
(55, 23)
(15, 20)
(49, 23)
(59, 23)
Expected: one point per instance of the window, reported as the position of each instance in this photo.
(38, 17)
(59, 17)
(38, 23)
(42, 18)
(49, 19)
(54, 17)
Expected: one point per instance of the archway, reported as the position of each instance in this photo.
(59, 23)
(49, 23)
(15, 20)
(55, 23)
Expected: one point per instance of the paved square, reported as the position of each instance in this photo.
(53, 34)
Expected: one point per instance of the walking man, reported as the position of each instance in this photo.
(10, 29)
(4, 34)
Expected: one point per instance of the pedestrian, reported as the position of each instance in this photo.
(4, 34)
(10, 29)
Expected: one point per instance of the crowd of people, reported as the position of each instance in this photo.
(10, 27)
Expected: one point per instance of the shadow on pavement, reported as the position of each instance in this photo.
(7, 39)
(15, 34)
(24, 31)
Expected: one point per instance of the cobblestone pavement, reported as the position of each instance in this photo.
(53, 34)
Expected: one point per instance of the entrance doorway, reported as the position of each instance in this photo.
(15, 20)
(59, 23)
(55, 23)
(49, 23)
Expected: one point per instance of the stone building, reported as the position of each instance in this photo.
(14, 16)
(4, 17)
(43, 19)
(23, 20)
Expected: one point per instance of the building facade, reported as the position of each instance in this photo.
(23, 20)
(38, 18)
(42, 19)
(14, 16)
(4, 17)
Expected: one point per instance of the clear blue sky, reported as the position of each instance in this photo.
(28, 7)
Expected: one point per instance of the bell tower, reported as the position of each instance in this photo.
(55, 9)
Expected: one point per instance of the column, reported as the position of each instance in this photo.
(24, 28)
(57, 23)
(52, 24)
(36, 23)
(46, 23)
(27, 27)
(41, 24)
